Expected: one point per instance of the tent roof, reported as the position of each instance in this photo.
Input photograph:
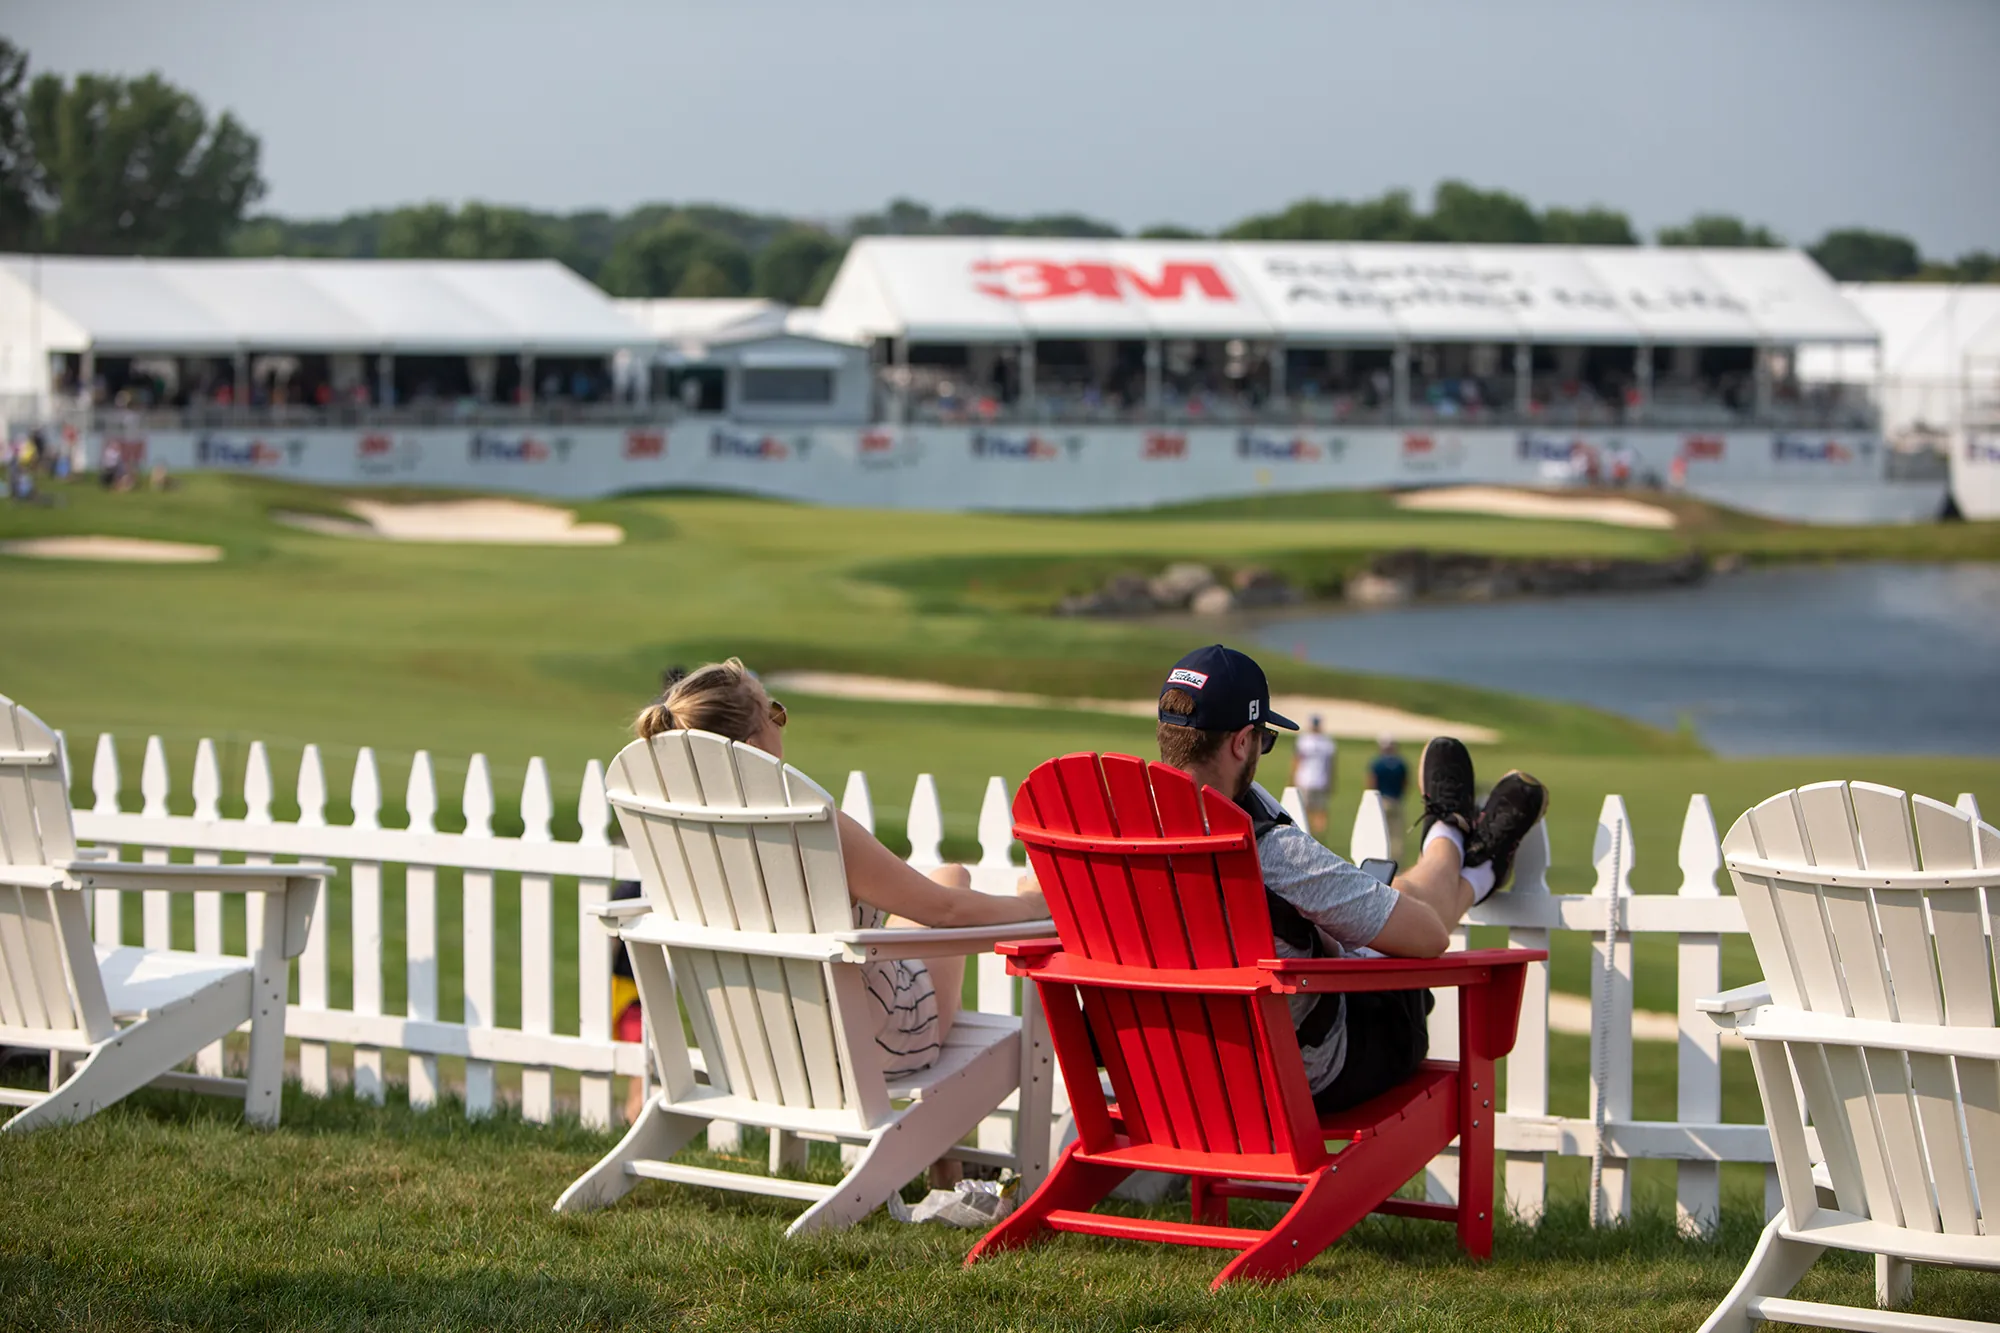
(1929, 329)
(218, 306)
(995, 289)
(695, 319)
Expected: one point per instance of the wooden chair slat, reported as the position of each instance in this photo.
(655, 843)
(49, 979)
(1038, 803)
(1856, 1107)
(1979, 1090)
(20, 1005)
(1946, 835)
(675, 763)
(1936, 1096)
(1771, 1062)
(1760, 911)
(819, 857)
(1083, 788)
(1837, 1130)
(1882, 823)
(1829, 825)
(1908, 955)
(1889, 1080)
(1811, 949)
(1965, 969)
(1851, 914)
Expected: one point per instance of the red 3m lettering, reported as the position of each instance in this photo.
(1045, 280)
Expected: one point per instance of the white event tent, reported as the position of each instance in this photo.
(1001, 290)
(1940, 352)
(231, 307)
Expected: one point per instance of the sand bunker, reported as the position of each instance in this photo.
(481, 522)
(1538, 504)
(131, 550)
(1341, 717)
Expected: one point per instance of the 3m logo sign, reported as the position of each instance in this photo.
(1045, 280)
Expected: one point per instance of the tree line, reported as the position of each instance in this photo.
(108, 165)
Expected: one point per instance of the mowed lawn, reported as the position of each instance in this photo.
(166, 1212)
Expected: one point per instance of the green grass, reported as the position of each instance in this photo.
(166, 1212)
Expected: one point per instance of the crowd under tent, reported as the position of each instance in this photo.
(1939, 368)
(755, 361)
(1346, 331)
(303, 334)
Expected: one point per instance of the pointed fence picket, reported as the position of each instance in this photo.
(366, 1038)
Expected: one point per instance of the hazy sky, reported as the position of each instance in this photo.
(1803, 114)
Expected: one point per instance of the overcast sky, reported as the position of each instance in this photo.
(1803, 114)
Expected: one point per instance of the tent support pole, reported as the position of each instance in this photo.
(903, 380)
(239, 380)
(527, 390)
(1279, 389)
(1642, 373)
(1760, 382)
(1154, 380)
(1028, 379)
(1399, 364)
(1524, 379)
(385, 380)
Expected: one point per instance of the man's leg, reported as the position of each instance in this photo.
(1438, 879)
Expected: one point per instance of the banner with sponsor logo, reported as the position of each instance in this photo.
(1056, 469)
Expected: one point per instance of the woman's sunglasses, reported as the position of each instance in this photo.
(778, 718)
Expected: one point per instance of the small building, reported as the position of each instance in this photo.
(756, 362)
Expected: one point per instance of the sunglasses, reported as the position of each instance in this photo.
(778, 716)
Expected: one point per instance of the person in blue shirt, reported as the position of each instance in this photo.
(1388, 774)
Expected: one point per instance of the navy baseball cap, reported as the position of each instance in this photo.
(1228, 688)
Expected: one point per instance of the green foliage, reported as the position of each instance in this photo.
(1165, 231)
(907, 217)
(677, 257)
(20, 183)
(135, 166)
(1972, 266)
(787, 269)
(1461, 212)
(1855, 254)
(1720, 231)
(1587, 226)
(1391, 217)
(476, 231)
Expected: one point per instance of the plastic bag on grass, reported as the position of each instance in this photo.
(970, 1203)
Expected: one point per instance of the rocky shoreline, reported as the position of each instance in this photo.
(1391, 579)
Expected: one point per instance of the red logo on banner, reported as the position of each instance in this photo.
(375, 446)
(877, 442)
(1702, 446)
(1164, 446)
(1418, 444)
(645, 444)
(1045, 280)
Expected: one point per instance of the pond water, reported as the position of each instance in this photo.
(1844, 659)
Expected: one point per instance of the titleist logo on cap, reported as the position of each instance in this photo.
(1194, 680)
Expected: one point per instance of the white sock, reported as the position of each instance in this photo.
(1449, 832)
(1480, 877)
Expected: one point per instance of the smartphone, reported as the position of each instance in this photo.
(1381, 867)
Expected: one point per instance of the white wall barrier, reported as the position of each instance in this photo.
(1814, 476)
(1699, 915)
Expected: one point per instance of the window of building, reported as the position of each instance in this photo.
(788, 386)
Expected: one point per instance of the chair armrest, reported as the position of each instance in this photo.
(1726, 1007)
(654, 928)
(175, 878)
(1467, 967)
(928, 942)
(616, 912)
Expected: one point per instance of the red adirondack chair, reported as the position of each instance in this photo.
(1166, 958)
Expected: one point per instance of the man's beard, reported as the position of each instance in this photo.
(1249, 776)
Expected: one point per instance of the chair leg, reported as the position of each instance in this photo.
(138, 1054)
(900, 1151)
(1326, 1210)
(655, 1136)
(1893, 1287)
(1475, 1174)
(1775, 1267)
(1072, 1185)
(1205, 1206)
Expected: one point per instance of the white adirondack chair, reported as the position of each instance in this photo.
(125, 1017)
(746, 923)
(1872, 915)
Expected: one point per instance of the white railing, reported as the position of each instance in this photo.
(1699, 914)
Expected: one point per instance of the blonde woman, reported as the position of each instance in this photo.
(917, 999)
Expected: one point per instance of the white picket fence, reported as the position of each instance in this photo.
(1699, 914)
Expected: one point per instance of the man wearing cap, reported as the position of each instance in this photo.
(1215, 723)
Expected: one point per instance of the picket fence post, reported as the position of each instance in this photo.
(595, 1104)
(1698, 1189)
(855, 802)
(109, 927)
(995, 987)
(538, 949)
(477, 939)
(153, 785)
(420, 928)
(207, 904)
(1611, 1007)
(1527, 1173)
(925, 828)
(364, 883)
(315, 1067)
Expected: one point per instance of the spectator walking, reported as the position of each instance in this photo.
(1312, 773)
(1389, 775)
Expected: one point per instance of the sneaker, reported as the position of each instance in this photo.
(1444, 780)
(1514, 806)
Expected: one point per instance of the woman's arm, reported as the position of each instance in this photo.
(881, 879)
